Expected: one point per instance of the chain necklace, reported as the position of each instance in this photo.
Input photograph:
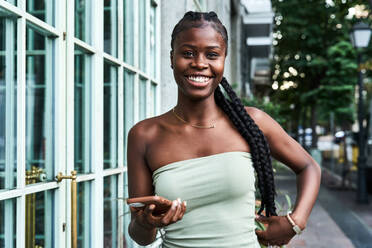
(193, 125)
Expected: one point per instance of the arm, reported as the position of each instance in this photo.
(139, 184)
(144, 224)
(286, 150)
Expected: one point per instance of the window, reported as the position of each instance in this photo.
(74, 78)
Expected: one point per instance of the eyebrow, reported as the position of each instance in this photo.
(209, 47)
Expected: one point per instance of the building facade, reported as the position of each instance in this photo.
(75, 76)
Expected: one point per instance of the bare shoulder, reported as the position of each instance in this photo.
(259, 116)
(264, 121)
(145, 131)
(255, 113)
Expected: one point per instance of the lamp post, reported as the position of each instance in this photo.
(360, 36)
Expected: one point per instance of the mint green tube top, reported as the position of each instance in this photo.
(220, 194)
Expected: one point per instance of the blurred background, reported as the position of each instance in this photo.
(76, 75)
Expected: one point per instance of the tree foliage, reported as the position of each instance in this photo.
(314, 65)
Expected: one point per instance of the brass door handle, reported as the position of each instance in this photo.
(59, 178)
(34, 175)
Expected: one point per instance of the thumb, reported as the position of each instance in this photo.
(149, 209)
(134, 209)
(260, 234)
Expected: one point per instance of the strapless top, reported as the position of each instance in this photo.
(220, 194)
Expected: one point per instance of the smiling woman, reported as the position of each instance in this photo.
(197, 59)
(206, 151)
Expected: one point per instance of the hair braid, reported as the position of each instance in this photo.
(262, 157)
(225, 105)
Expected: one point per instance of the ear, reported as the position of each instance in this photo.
(171, 58)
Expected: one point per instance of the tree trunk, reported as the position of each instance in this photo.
(314, 119)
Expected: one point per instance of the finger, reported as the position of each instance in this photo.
(149, 218)
(183, 209)
(263, 219)
(261, 235)
(263, 242)
(165, 220)
(149, 209)
(178, 211)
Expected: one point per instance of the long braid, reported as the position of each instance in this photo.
(262, 157)
(237, 114)
(225, 105)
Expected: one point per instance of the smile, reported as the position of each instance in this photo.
(198, 80)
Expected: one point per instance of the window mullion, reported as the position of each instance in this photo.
(63, 60)
(21, 124)
(120, 123)
(97, 125)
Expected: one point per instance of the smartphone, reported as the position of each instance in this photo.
(161, 204)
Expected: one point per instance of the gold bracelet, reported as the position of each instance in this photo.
(295, 227)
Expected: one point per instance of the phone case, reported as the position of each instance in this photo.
(162, 204)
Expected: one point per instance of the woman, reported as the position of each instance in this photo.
(206, 151)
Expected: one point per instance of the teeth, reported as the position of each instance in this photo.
(199, 79)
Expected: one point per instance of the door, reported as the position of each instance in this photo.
(32, 131)
(75, 75)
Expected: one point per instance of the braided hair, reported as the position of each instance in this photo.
(236, 112)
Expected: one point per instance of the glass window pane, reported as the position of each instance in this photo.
(82, 112)
(153, 41)
(8, 223)
(142, 98)
(83, 214)
(110, 118)
(110, 216)
(128, 104)
(39, 219)
(128, 32)
(110, 30)
(142, 35)
(12, 1)
(42, 9)
(82, 20)
(39, 107)
(8, 103)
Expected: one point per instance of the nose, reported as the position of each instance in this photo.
(199, 62)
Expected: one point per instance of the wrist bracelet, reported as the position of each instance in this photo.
(295, 227)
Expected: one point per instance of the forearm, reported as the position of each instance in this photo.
(308, 183)
(140, 234)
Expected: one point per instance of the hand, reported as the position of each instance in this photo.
(278, 231)
(146, 219)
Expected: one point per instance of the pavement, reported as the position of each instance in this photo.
(336, 219)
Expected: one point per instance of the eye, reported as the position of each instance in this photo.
(188, 54)
(212, 55)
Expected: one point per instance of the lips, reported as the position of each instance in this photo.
(198, 80)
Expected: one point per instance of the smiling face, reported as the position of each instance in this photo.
(198, 60)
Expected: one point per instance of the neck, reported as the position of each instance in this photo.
(201, 112)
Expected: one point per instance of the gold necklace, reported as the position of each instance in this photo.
(193, 125)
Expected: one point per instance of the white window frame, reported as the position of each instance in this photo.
(62, 34)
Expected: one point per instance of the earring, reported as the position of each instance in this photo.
(172, 66)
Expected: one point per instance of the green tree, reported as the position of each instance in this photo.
(309, 38)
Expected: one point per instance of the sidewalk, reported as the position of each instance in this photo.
(336, 220)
